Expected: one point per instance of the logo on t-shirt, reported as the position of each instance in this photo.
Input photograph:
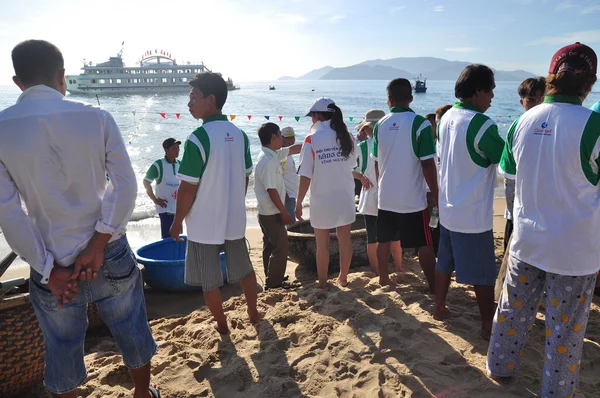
(544, 130)
(395, 127)
(228, 138)
(451, 125)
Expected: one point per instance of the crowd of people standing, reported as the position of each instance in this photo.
(410, 172)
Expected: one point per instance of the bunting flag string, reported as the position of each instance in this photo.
(351, 119)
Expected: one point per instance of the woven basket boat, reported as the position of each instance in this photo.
(303, 249)
(22, 344)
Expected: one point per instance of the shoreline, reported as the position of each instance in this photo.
(147, 230)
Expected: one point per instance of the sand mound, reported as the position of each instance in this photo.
(360, 341)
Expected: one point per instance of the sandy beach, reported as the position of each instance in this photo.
(359, 341)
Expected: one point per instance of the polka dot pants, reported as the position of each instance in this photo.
(568, 300)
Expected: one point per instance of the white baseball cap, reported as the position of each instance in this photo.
(288, 132)
(321, 105)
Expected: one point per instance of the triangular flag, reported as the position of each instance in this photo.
(164, 115)
(280, 117)
(178, 115)
(297, 118)
(249, 117)
(232, 117)
(267, 117)
(351, 118)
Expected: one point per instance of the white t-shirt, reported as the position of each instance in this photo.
(290, 176)
(401, 140)
(553, 151)
(268, 174)
(332, 183)
(217, 155)
(167, 183)
(367, 203)
(469, 148)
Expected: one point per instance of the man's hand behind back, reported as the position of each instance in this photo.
(62, 286)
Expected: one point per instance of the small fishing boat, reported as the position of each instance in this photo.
(420, 85)
(271, 87)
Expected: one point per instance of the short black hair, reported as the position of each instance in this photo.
(532, 86)
(472, 79)
(399, 89)
(210, 83)
(266, 132)
(36, 61)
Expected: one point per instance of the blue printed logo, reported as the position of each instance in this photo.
(394, 124)
(544, 130)
(228, 138)
(451, 122)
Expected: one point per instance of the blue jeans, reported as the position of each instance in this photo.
(290, 206)
(166, 220)
(119, 295)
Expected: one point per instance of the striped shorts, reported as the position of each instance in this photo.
(203, 265)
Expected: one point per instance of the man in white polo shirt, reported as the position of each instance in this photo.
(553, 154)
(214, 175)
(405, 152)
(55, 155)
(164, 172)
(269, 188)
(470, 147)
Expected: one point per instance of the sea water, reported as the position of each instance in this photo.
(144, 128)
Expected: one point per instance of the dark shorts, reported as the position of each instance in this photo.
(371, 226)
(412, 229)
(166, 220)
(471, 255)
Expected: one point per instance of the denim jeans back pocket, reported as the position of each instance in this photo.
(42, 295)
(121, 271)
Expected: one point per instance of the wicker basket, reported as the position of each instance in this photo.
(303, 248)
(22, 344)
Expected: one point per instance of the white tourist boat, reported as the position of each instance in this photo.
(157, 72)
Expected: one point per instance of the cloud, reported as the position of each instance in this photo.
(461, 49)
(565, 5)
(336, 18)
(591, 9)
(295, 19)
(396, 9)
(587, 37)
(439, 8)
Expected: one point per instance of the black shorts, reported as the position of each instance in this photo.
(411, 228)
(371, 225)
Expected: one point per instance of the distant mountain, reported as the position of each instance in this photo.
(364, 72)
(316, 74)
(385, 69)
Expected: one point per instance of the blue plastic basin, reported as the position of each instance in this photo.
(164, 265)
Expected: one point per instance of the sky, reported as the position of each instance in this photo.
(250, 40)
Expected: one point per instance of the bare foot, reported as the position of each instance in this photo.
(222, 329)
(486, 332)
(399, 268)
(387, 282)
(441, 314)
(343, 282)
(324, 286)
(256, 316)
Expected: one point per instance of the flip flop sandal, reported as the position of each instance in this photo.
(155, 393)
